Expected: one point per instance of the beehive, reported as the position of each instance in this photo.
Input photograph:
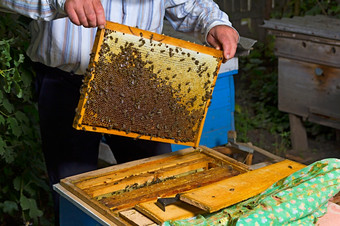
(147, 86)
(206, 180)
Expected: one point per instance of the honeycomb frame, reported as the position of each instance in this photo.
(145, 85)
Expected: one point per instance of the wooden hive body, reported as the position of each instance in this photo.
(206, 179)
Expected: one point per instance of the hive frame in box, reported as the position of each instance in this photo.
(99, 188)
(191, 89)
(209, 184)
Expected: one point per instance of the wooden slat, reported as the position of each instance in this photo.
(239, 166)
(227, 192)
(117, 175)
(308, 51)
(140, 179)
(176, 211)
(302, 92)
(319, 25)
(136, 218)
(166, 188)
(147, 163)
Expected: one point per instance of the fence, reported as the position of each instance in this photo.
(247, 15)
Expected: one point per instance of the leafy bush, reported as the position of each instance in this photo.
(23, 184)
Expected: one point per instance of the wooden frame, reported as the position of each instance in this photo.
(186, 71)
(177, 172)
(207, 181)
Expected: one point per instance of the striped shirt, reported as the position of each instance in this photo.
(57, 42)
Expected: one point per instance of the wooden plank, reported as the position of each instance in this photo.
(302, 92)
(309, 51)
(304, 37)
(69, 183)
(263, 152)
(321, 26)
(298, 133)
(112, 176)
(166, 188)
(239, 166)
(227, 192)
(135, 218)
(176, 211)
(148, 177)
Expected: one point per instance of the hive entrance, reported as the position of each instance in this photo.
(149, 86)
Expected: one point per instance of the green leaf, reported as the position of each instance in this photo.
(2, 146)
(13, 124)
(2, 120)
(17, 183)
(26, 77)
(18, 90)
(31, 205)
(25, 202)
(9, 206)
(21, 117)
(8, 106)
(1, 96)
(35, 212)
(30, 190)
(20, 60)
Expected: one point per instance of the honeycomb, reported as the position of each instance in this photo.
(147, 86)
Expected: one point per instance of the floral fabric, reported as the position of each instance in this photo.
(299, 199)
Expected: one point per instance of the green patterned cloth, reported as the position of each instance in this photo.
(299, 199)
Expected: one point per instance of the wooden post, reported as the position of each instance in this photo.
(298, 133)
(268, 9)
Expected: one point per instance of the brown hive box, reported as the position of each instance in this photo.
(206, 180)
(145, 85)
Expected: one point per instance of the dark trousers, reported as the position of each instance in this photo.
(68, 151)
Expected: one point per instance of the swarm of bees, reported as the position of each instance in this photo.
(143, 88)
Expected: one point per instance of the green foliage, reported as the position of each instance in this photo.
(259, 97)
(22, 189)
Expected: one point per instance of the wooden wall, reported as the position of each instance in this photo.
(247, 15)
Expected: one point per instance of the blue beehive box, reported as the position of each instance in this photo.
(220, 116)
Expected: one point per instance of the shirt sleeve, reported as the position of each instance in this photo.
(45, 10)
(197, 16)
